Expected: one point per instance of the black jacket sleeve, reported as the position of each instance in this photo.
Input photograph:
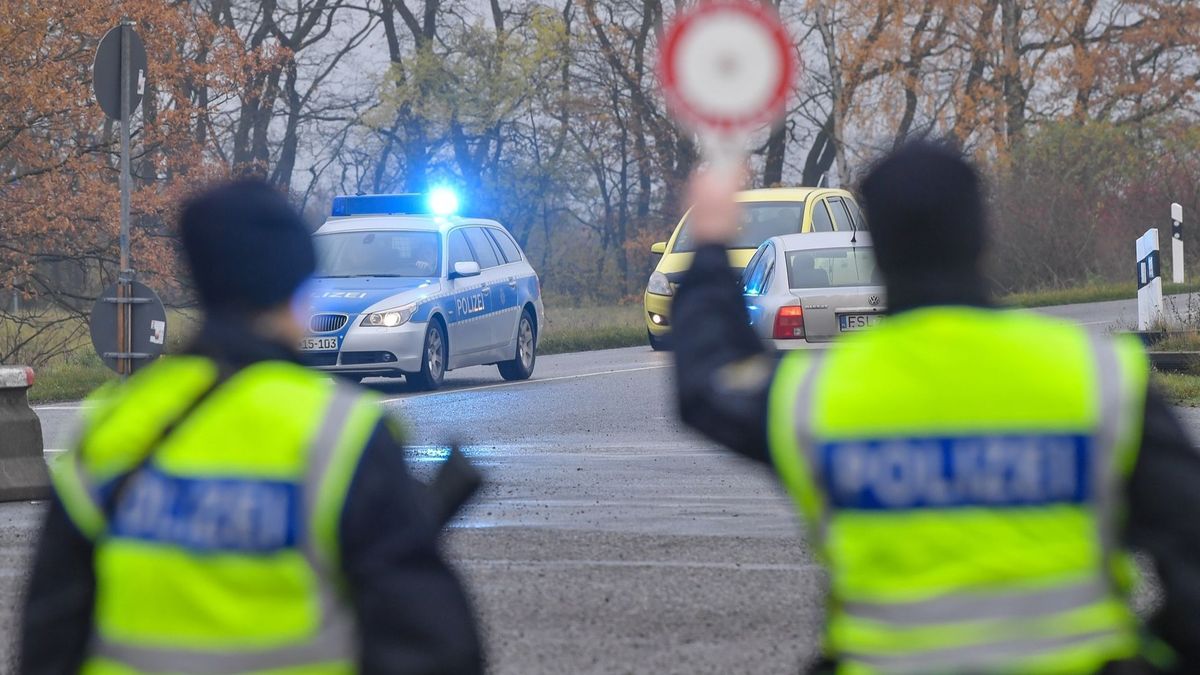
(1164, 502)
(57, 622)
(722, 370)
(413, 614)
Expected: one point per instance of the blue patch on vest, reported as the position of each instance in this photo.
(210, 514)
(987, 471)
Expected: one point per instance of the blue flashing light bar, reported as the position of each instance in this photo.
(443, 201)
(440, 202)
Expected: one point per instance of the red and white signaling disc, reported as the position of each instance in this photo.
(727, 67)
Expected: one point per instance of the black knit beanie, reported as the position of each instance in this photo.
(925, 209)
(247, 247)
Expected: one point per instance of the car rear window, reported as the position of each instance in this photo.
(760, 222)
(831, 267)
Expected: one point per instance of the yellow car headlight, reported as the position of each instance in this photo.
(659, 285)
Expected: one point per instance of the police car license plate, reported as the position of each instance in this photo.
(319, 344)
(848, 322)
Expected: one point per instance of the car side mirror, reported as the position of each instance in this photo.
(465, 269)
(658, 247)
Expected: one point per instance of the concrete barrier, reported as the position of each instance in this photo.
(23, 473)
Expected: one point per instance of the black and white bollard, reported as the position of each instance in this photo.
(1149, 295)
(1177, 243)
(23, 473)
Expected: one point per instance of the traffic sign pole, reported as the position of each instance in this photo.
(118, 74)
(124, 337)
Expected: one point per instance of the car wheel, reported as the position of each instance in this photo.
(658, 344)
(433, 361)
(521, 367)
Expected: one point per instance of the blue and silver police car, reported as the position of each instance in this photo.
(404, 287)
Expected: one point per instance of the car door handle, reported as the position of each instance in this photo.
(486, 290)
(512, 283)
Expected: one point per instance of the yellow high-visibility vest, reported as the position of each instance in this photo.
(221, 554)
(961, 470)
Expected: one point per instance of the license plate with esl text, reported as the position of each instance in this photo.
(319, 344)
(849, 322)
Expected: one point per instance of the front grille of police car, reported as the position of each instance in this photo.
(327, 323)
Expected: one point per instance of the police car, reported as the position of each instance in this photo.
(404, 287)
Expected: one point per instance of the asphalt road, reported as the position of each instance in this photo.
(609, 539)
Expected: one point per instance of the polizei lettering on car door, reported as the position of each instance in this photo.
(470, 304)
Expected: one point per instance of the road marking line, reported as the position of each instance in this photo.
(514, 384)
(755, 567)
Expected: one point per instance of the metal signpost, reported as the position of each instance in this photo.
(1149, 295)
(727, 69)
(142, 317)
(1177, 243)
(119, 81)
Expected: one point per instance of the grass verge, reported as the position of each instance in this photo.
(74, 376)
(70, 379)
(1090, 293)
(1179, 388)
(578, 329)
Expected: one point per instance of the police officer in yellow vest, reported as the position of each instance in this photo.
(229, 511)
(973, 477)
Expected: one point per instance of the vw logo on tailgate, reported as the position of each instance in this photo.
(873, 300)
(327, 323)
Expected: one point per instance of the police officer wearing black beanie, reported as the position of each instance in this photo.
(925, 207)
(250, 254)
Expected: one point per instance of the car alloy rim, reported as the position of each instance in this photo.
(434, 355)
(526, 343)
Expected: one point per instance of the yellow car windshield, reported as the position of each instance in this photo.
(760, 221)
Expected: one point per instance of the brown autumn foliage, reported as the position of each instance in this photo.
(59, 155)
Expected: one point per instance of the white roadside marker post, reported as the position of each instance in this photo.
(1177, 243)
(1149, 295)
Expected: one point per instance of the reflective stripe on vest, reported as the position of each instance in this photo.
(1068, 623)
(977, 658)
(959, 607)
(334, 642)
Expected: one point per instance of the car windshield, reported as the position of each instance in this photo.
(831, 267)
(398, 253)
(760, 222)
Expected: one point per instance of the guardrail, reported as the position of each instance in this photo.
(23, 473)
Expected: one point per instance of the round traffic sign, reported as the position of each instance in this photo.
(106, 71)
(727, 67)
(147, 324)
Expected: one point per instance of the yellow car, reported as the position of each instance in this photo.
(765, 213)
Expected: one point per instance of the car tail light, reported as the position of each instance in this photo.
(789, 323)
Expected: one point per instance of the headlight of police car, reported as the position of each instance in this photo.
(659, 285)
(389, 318)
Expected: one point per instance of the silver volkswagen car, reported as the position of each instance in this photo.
(802, 290)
